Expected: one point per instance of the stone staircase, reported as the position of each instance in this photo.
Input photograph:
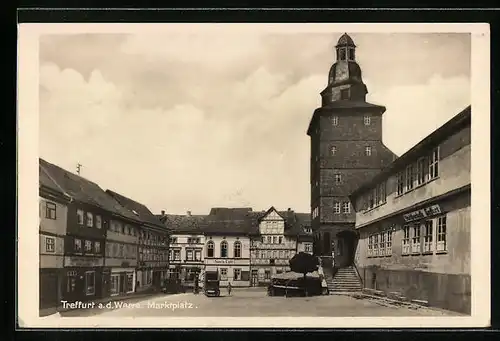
(344, 280)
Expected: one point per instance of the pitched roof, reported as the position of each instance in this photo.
(139, 210)
(81, 189)
(460, 120)
(184, 223)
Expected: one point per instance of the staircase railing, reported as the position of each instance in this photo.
(357, 273)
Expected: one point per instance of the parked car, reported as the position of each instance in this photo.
(211, 285)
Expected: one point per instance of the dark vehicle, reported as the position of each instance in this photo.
(294, 284)
(211, 285)
(172, 286)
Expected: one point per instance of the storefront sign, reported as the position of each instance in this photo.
(423, 213)
(83, 261)
(222, 261)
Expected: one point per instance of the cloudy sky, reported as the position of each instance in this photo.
(202, 118)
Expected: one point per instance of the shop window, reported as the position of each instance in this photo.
(115, 284)
(149, 276)
(237, 274)
(90, 282)
(223, 249)
(237, 249)
(415, 243)
(50, 210)
(210, 249)
(50, 244)
(441, 234)
(406, 240)
(130, 282)
(223, 274)
(79, 217)
(428, 236)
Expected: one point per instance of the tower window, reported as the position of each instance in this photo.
(351, 55)
(338, 178)
(344, 94)
(368, 150)
(335, 120)
(334, 150)
(342, 54)
(367, 120)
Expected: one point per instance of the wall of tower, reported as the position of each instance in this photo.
(350, 126)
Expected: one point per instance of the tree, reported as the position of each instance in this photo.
(304, 263)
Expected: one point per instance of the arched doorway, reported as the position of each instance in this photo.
(347, 241)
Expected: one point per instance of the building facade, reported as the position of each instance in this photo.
(227, 245)
(346, 150)
(53, 215)
(148, 245)
(414, 221)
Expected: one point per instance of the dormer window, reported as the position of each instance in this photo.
(342, 54)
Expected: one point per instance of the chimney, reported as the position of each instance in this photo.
(289, 209)
(162, 212)
(188, 213)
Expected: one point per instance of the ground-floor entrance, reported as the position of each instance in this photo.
(50, 287)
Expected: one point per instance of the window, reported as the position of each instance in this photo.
(351, 55)
(280, 240)
(197, 255)
(333, 150)
(335, 120)
(79, 217)
(370, 245)
(237, 249)
(367, 120)
(223, 249)
(401, 183)
(50, 210)
(90, 219)
(50, 244)
(336, 208)
(375, 245)
(342, 54)
(97, 247)
(269, 255)
(388, 243)
(269, 239)
(308, 247)
(267, 274)
(338, 178)
(371, 200)
(121, 252)
(382, 244)
(344, 94)
(115, 284)
(173, 240)
(237, 274)
(90, 283)
(98, 221)
(428, 236)
(223, 274)
(434, 164)
(346, 208)
(410, 177)
(406, 240)
(422, 170)
(77, 245)
(415, 244)
(126, 229)
(441, 234)
(210, 249)
(287, 254)
(315, 213)
(71, 282)
(382, 197)
(130, 282)
(189, 255)
(368, 151)
(177, 254)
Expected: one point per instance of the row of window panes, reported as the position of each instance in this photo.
(92, 247)
(89, 282)
(272, 239)
(380, 244)
(195, 240)
(273, 254)
(413, 236)
(376, 197)
(119, 250)
(50, 244)
(315, 212)
(118, 227)
(237, 275)
(368, 150)
(115, 283)
(191, 255)
(425, 169)
(346, 207)
(223, 249)
(366, 120)
(89, 221)
(147, 254)
(346, 53)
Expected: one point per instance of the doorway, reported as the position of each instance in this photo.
(254, 278)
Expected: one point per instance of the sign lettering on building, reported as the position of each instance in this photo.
(423, 213)
(83, 261)
(224, 261)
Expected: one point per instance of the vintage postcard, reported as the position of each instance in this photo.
(253, 175)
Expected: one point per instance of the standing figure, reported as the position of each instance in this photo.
(229, 288)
